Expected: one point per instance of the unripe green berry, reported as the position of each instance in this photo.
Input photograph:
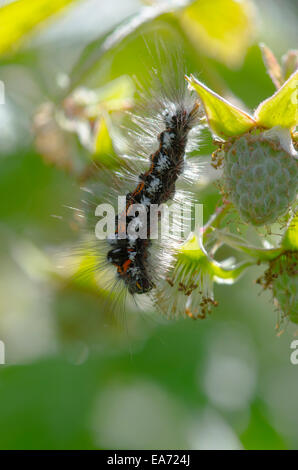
(285, 292)
(282, 279)
(285, 286)
(260, 177)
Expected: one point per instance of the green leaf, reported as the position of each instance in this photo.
(19, 18)
(221, 28)
(103, 142)
(117, 94)
(103, 145)
(225, 119)
(94, 52)
(290, 240)
(281, 108)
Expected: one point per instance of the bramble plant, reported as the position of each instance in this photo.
(149, 173)
(255, 156)
(258, 178)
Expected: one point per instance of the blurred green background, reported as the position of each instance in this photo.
(76, 377)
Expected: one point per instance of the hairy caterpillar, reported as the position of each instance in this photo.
(156, 186)
(164, 130)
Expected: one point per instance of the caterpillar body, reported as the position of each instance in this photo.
(156, 186)
(155, 167)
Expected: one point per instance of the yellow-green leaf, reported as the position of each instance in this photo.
(225, 119)
(290, 240)
(103, 150)
(117, 94)
(19, 18)
(281, 109)
(103, 141)
(221, 28)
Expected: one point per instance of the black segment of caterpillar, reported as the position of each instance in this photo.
(156, 186)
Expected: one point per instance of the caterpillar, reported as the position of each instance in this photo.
(163, 130)
(156, 186)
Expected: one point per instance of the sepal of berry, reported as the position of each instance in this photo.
(279, 73)
(225, 120)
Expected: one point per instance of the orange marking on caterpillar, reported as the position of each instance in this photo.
(126, 265)
(157, 184)
(139, 188)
